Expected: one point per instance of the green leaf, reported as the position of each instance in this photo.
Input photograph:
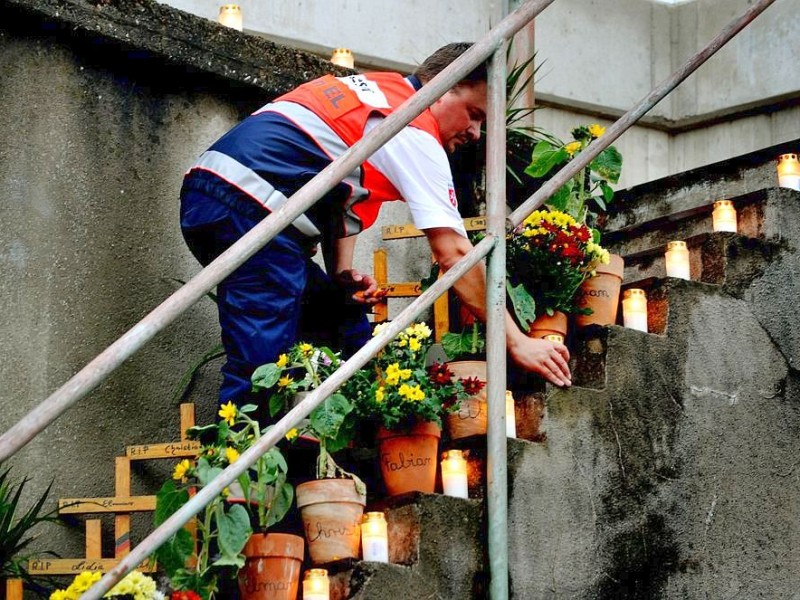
(248, 408)
(168, 500)
(205, 472)
(173, 554)
(560, 199)
(265, 376)
(545, 157)
(523, 303)
(277, 402)
(457, 344)
(281, 503)
(608, 164)
(328, 417)
(596, 236)
(608, 192)
(233, 526)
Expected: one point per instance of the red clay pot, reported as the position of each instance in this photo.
(331, 510)
(471, 417)
(547, 325)
(409, 458)
(601, 294)
(272, 567)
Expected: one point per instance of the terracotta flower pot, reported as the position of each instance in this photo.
(547, 325)
(331, 510)
(272, 567)
(601, 294)
(471, 418)
(409, 458)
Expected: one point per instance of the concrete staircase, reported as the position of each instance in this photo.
(670, 468)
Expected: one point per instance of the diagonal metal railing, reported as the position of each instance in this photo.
(491, 45)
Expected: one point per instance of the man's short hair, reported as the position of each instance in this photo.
(436, 62)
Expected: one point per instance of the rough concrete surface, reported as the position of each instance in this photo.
(676, 480)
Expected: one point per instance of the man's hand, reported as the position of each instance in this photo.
(548, 359)
(363, 287)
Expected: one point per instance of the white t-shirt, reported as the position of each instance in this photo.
(416, 164)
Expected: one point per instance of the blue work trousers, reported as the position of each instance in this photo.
(277, 297)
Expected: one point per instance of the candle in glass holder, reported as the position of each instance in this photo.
(555, 337)
(343, 57)
(375, 537)
(454, 474)
(316, 585)
(511, 418)
(724, 216)
(634, 309)
(789, 171)
(230, 15)
(677, 258)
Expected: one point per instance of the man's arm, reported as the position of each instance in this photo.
(548, 359)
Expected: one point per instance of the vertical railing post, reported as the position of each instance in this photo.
(497, 496)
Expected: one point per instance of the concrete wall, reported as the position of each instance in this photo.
(597, 57)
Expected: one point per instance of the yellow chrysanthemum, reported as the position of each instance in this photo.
(379, 394)
(283, 360)
(422, 331)
(572, 147)
(402, 340)
(394, 374)
(232, 454)
(228, 412)
(285, 381)
(596, 130)
(410, 392)
(306, 350)
(414, 344)
(181, 469)
(292, 434)
(84, 581)
(378, 328)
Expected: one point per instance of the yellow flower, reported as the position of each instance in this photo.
(226, 492)
(284, 381)
(394, 374)
(232, 454)
(596, 130)
(283, 360)
(292, 434)
(378, 328)
(306, 350)
(422, 331)
(183, 467)
(572, 147)
(411, 392)
(414, 344)
(379, 395)
(228, 412)
(84, 581)
(402, 340)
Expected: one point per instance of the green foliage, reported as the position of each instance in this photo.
(303, 369)
(468, 343)
(16, 526)
(396, 388)
(588, 192)
(223, 528)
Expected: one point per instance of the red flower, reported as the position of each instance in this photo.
(581, 232)
(440, 373)
(472, 385)
(185, 595)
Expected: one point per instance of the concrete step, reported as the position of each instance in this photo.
(435, 551)
(683, 194)
(677, 478)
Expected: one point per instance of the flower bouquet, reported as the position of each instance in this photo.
(549, 255)
(407, 400)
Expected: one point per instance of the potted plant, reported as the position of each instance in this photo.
(134, 586)
(585, 198)
(467, 362)
(407, 400)
(549, 255)
(224, 528)
(332, 505)
(16, 527)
